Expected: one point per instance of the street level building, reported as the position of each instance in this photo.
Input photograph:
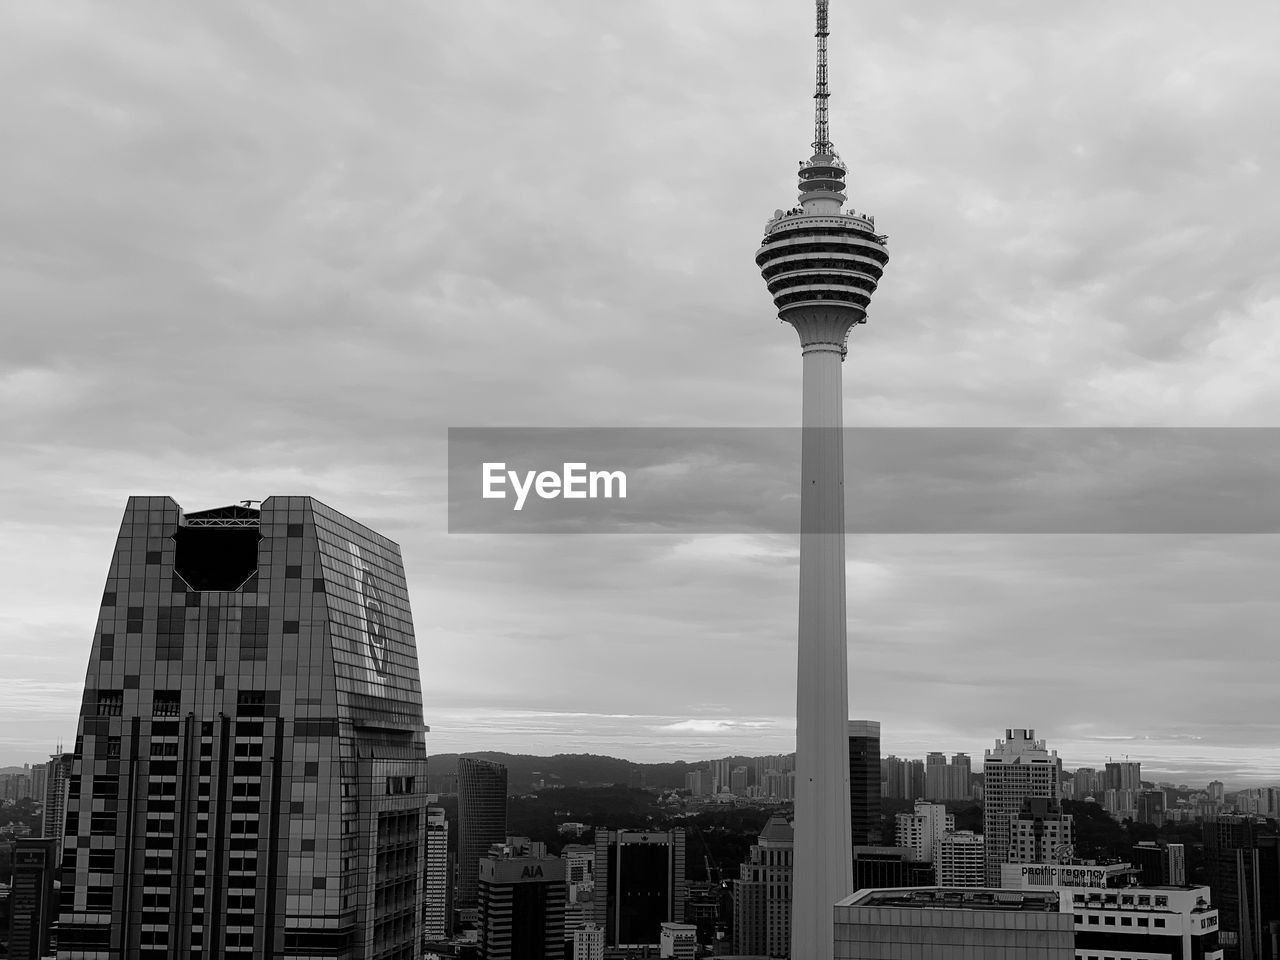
(248, 777)
(946, 923)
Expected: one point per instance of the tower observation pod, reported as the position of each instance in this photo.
(821, 264)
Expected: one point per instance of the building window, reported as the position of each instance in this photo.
(110, 703)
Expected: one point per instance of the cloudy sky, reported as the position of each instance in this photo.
(252, 249)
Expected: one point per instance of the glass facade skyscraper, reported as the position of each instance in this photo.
(864, 782)
(482, 822)
(248, 778)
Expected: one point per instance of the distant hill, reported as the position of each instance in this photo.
(571, 770)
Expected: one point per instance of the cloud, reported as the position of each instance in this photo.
(251, 251)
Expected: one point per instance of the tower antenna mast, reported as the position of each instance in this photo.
(821, 133)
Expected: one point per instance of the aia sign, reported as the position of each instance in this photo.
(531, 873)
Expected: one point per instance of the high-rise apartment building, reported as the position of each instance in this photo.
(864, 782)
(945, 780)
(738, 781)
(248, 778)
(1020, 767)
(521, 893)
(720, 775)
(639, 884)
(482, 822)
(762, 893)
(437, 900)
(961, 777)
(922, 829)
(959, 860)
(57, 783)
(1087, 782)
(1125, 775)
(902, 779)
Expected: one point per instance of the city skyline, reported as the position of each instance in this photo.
(293, 271)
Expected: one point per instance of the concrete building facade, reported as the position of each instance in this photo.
(1019, 768)
(762, 893)
(946, 923)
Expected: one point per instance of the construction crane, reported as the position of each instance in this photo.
(706, 853)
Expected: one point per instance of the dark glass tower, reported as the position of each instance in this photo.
(482, 821)
(248, 778)
(640, 884)
(864, 782)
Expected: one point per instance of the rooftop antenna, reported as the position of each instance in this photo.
(821, 134)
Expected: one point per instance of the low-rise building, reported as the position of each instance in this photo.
(950, 923)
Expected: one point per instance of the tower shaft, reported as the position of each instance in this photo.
(824, 871)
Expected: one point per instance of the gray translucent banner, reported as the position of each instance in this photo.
(930, 480)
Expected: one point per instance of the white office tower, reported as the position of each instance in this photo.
(921, 830)
(959, 859)
(1145, 923)
(1020, 767)
(821, 264)
(435, 887)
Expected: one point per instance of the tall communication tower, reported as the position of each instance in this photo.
(821, 264)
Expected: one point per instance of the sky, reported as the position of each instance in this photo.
(251, 250)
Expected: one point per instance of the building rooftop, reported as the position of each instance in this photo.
(956, 898)
(779, 829)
